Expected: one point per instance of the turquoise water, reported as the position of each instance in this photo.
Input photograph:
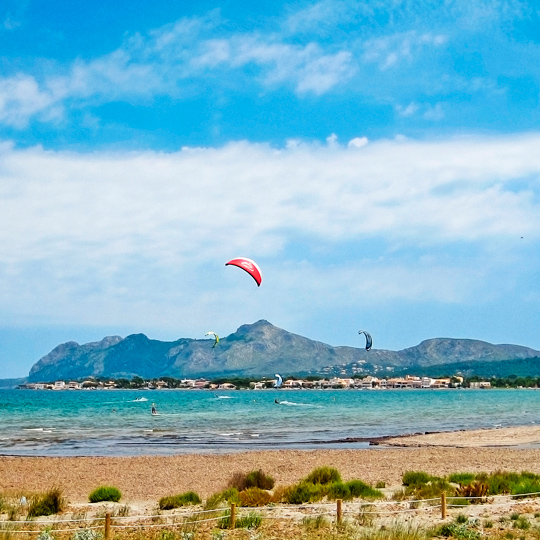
(118, 422)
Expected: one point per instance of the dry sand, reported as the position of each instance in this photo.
(150, 478)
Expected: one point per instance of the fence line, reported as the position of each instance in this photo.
(379, 507)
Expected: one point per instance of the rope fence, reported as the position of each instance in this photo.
(232, 513)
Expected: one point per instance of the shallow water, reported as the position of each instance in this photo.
(119, 423)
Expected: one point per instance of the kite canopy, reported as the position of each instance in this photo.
(216, 338)
(249, 266)
(369, 341)
(278, 382)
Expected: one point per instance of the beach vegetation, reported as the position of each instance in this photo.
(105, 493)
(312, 523)
(431, 489)
(86, 534)
(460, 531)
(253, 520)
(176, 501)
(47, 504)
(254, 496)
(415, 478)
(462, 478)
(45, 534)
(380, 484)
(323, 475)
(459, 501)
(227, 496)
(522, 523)
(359, 489)
(366, 515)
(476, 491)
(257, 479)
(461, 518)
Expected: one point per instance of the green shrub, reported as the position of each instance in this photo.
(338, 490)
(48, 504)
(303, 492)
(458, 531)
(323, 475)
(105, 493)
(415, 478)
(380, 484)
(254, 496)
(252, 520)
(227, 496)
(461, 518)
(463, 478)
(522, 523)
(459, 501)
(431, 489)
(527, 486)
(257, 479)
(176, 501)
(357, 488)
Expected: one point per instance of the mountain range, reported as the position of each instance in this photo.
(262, 349)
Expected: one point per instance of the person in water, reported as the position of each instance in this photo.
(276, 401)
(154, 411)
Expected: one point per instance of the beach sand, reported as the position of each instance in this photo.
(149, 478)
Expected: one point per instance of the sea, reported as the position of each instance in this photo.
(120, 423)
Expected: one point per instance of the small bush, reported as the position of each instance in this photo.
(105, 493)
(338, 490)
(380, 484)
(238, 481)
(48, 504)
(259, 480)
(461, 518)
(176, 501)
(254, 496)
(462, 478)
(527, 487)
(415, 478)
(357, 488)
(522, 523)
(223, 497)
(302, 493)
(323, 475)
(476, 490)
(458, 531)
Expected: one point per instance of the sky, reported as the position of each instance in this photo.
(378, 159)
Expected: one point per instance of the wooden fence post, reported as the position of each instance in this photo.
(107, 534)
(339, 511)
(443, 505)
(232, 522)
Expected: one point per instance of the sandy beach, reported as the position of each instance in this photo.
(148, 478)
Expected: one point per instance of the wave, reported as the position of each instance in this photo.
(294, 404)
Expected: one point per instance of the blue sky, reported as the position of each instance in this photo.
(380, 160)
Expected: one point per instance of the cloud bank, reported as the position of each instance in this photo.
(110, 237)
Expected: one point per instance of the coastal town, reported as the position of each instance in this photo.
(366, 383)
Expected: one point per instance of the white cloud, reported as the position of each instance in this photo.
(117, 235)
(392, 50)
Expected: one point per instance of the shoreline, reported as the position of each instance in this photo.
(148, 478)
